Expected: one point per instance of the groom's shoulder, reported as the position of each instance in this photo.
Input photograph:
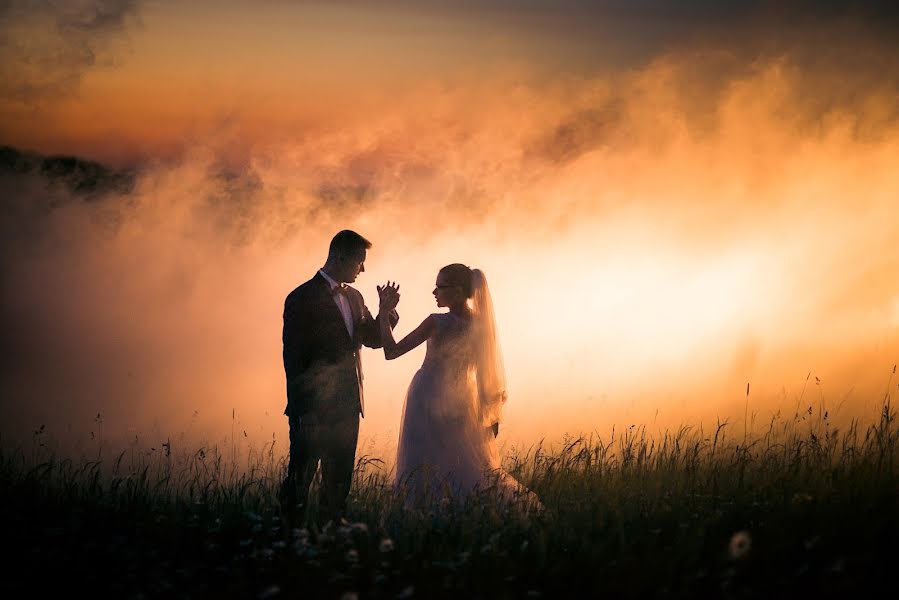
(303, 290)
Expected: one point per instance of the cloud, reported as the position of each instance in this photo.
(657, 25)
(655, 236)
(46, 47)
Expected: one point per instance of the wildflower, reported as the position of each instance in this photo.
(740, 544)
(359, 527)
(386, 545)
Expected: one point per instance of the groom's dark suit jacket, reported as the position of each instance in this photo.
(322, 363)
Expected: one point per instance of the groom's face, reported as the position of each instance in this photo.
(353, 264)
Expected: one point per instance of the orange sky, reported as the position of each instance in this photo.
(177, 74)
(664, 213)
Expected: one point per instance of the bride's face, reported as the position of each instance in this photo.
(446, 293)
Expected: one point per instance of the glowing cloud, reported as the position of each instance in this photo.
(656, 235)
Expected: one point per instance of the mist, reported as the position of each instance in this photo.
(657, 238)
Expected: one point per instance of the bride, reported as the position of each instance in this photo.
(454, 403)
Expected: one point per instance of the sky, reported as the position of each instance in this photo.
(670, 200)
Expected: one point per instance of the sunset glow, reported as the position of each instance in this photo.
(665, 214)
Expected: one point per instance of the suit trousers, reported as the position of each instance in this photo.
(333, 444)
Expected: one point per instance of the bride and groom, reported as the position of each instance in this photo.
(453, 406)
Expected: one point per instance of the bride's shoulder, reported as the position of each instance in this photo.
(432, 321)
(439, 319)
(449, 322)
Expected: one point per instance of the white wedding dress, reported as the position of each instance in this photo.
(446, 447)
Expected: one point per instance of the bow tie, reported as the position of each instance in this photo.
(339, 289)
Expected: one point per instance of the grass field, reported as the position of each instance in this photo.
(804, 509)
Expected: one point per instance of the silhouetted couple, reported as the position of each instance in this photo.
(453, 407)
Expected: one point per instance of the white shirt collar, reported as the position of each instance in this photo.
(327, 277)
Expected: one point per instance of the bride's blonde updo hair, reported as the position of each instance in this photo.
(460, 275)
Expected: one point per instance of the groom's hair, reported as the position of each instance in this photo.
(347, 243)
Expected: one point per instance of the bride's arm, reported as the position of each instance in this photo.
(389, 298)
(394, 349)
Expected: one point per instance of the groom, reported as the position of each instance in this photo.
(326, 323)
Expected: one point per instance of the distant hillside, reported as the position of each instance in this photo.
(80, 176)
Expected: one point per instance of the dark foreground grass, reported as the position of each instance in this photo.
(797, 512)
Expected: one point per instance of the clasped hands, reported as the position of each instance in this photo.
(389, 296)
